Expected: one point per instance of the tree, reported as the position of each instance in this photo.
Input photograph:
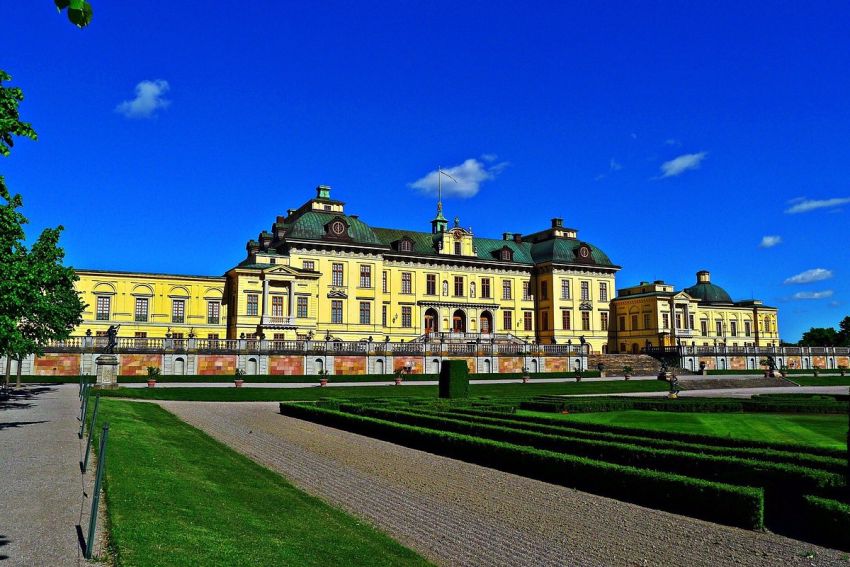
(38, 302)
(844, 333)
(79, 11)
(819, 337)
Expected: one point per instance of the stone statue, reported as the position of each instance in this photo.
(112, 339)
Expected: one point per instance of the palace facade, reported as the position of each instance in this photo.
(322, 273)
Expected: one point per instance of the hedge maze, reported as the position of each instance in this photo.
(796, 490)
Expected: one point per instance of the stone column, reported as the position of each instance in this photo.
(292, 300)
(107, 371)
(265, 297)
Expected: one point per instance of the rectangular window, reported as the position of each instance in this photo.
(565, 289)
(634, 322)
(506, 289)
(336, 311)
(703, 327)
(385, 282)
(747, 329)
(458, 286)
(277, 306)
(141, 339)
(733, 328)
(302, 306)
(566, 319)
(690, 321)
(544, 290)
(384, 315)
(406, 282)
(647, 319)
(406, 316)
(525, 292)
(585, 291)
(603, 291)
(141, 309)
(431, 284)
(178, 311)
(508, 320)
(103, 302)
(622, 323)
(678, 320)
(603, 321)
(485, 288)
(544, 320)
(336, 274)
(585, 320)
(527, 322)
(719, 328)
(213, 312)
(457, 249)
(365, 276)
(253, 304)
(309, 265)
(365, 313)
(665, 321)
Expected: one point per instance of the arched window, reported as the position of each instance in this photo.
(179, 366)
(405, 246)
(379, 366)
(319, 365)
(445, 287)
(251, 369)
(486, 368)
(506, 255)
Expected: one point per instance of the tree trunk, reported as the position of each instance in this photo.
(8, 370)
(20, 363)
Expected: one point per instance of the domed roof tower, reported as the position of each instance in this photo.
(706, 291)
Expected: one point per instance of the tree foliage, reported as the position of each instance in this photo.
(828, 336)
(79, 11)
(38, 302)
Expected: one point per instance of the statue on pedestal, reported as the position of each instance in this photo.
(112, 339)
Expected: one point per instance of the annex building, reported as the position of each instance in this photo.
(322, 273)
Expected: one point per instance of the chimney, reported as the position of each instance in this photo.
(703, 276)
(518, 238)
(281, 219)
(659, 282)
(557, 223)
(507, 236)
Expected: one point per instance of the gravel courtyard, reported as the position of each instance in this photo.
(456, 513)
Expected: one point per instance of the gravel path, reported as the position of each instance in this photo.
(44, 495)
(456, 513)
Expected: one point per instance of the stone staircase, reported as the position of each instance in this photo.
(642, 364)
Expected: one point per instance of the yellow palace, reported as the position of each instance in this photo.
(321, 272)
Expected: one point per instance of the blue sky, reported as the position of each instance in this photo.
(675, 137)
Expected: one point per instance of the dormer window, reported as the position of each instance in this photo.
(405, 246)
(506, 254)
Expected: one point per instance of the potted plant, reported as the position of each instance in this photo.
(627, 372)
(238, 381)
(816, 368)
(842, 368)
(323, 377)
(525, 376)
(153, 372)
(702, 369)
(766, 363)
(601, 368)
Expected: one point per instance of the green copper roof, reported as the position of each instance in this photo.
(563, 250)
(708, 293)
(423, 243)
(311, 226)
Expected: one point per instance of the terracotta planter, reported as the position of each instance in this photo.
(323, 381)
(525, 379)
(627, 376)
(398, 381)
(238, 383)
(151, 383)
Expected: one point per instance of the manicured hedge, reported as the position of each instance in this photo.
(779, 477)
(827, 522)
(794, 457)
(671, 435)
(700, 405)
(714, 501)
(454, 379)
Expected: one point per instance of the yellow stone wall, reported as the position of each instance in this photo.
(121, 289)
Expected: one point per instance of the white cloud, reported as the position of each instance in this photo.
(770, 241)
(803, 205)
(489, 157)
(470, 175)
(681, 164)
(809, 276)
(672, 142)
(149, 98)
(813, 294)
(614, 165)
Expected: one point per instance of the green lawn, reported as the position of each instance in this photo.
(177, 497)
(815, 430)
(820, 380)
(313, 393)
